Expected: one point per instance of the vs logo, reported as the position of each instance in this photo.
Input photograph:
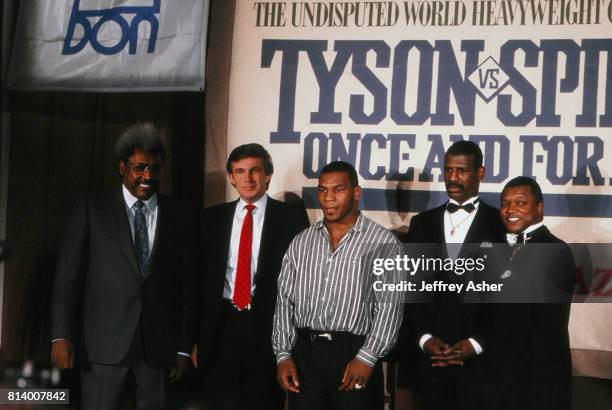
(489, 79)
(491, 74)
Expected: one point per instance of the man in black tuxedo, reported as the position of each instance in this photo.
(245, 241)
(447, 332)
(123, 292)
(529, 363)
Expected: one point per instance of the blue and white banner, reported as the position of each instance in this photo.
(110, 45)
(389, 85)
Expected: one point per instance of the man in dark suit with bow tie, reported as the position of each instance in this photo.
(529, 363)
(448, 333)
(245, 241)
(123, 292)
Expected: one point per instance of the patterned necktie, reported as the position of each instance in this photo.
(242, 287)
(141, 237)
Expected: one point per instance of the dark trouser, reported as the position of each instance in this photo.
(550, 390)
(452, 388)
(525, 391)
(321, 364)
(241, 377)
(102, 385)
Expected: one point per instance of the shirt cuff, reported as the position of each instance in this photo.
(183, 354)
(424, 339)
(282, 356)
(367, 356)
(476, 346)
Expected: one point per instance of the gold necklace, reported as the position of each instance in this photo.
(454, 227)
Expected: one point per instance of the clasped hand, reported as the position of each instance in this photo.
(444, 355)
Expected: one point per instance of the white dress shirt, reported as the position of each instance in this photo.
(461, 220)
(149, 210)
(232, 258)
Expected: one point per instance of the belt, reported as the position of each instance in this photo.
(326, 335)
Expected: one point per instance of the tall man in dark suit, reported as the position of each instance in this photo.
(245, 241)
(448, 332)
(123, 291)
(529, 363)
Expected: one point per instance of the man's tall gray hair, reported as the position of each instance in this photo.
(143, 136)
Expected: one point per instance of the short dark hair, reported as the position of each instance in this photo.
(526, 181)
(143, 136)
(341, 166)
(250, 151)
(466, 148)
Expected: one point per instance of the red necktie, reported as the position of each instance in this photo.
(242, 287)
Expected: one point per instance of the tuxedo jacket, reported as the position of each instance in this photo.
(447, 317)
(99, 294)
(529, 359)
(281, 223)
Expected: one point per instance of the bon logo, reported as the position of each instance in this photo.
(91, 21)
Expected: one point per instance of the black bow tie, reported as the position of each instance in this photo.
(452, 208)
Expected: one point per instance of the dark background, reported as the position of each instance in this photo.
(61, 145)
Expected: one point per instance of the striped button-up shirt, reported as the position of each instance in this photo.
(332, 290)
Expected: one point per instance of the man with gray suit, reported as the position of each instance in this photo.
(123, 292)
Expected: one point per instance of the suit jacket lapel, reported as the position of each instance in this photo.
(540, 235)
(123, 229)
(270, 226)
(160, 228)
(440, 237)
(225, 223)
(475, 233)
(440, 228)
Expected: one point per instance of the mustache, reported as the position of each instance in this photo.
(455, 185)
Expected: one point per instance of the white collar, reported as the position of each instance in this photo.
(130, 200)
(471, 200)
(259, 204)
(512, 238)
(533, 227)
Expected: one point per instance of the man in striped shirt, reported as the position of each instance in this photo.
(330, 326)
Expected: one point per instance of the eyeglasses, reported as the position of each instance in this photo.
(141, 168)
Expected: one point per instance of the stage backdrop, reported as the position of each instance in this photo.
(389, 85)
(110, 45)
